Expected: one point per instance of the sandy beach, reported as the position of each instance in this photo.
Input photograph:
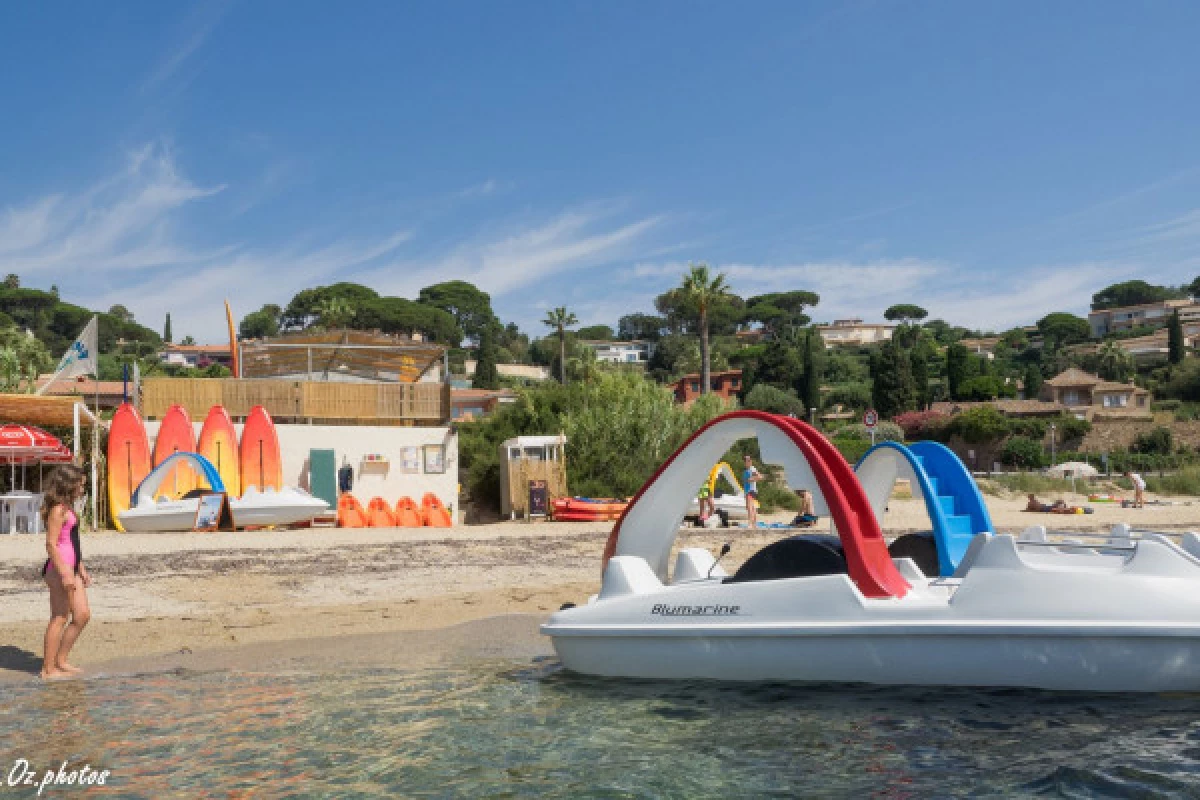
(182, 596)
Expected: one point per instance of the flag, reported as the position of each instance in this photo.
(80, 358)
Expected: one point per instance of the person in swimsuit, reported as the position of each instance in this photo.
(64, 572)
(750, 476)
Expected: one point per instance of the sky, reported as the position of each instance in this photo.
(991, 161)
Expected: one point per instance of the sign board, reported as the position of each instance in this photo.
(870, 418)
(213, 514)
(539, 499)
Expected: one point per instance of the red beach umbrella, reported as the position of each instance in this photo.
(26, 443)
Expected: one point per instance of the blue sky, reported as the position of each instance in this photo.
(992, 161)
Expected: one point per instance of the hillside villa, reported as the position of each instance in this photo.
(855, 333)
(637, 351)
(725, 384)
(195, 355)
(1088, 396)
(1152, 315)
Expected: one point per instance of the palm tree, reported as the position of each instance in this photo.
(560, 319)
(1114, 362)
(584, 366)
(335, 312)
(703, 290)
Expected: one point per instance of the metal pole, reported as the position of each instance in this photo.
(1053, 442)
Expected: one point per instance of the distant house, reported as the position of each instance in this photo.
(526, 372)
(1152, 315)
(468, 404)
(750, 336)
(637, 351)
(1146, 348)
(195, 355)
(725, 384)
(984, 347)
(1088, 396)
(855, 333)
(1007, 407)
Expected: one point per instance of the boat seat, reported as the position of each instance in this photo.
(693, 564)
(795, 557)
(973, 550)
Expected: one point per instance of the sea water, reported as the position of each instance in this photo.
(505, 729)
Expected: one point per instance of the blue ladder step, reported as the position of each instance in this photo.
(947, 502)
(959, 524)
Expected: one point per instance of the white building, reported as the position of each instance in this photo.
(635, 352)
(854, 333)
(1151, 315)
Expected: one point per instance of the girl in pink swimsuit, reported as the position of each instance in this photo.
(64, 572)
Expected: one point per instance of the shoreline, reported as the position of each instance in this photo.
(183, 596)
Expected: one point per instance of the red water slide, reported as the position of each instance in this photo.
(867, 559)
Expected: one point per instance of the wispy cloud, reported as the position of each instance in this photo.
(194, 32)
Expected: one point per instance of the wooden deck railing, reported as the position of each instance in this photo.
(384, 403)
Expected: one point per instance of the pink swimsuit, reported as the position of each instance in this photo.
(68, 543)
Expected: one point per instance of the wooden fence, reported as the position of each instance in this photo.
(380, 403)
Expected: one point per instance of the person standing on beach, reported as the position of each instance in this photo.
(750, 476)
(1139, 489)
(64, 572)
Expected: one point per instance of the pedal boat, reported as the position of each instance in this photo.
(811, 609)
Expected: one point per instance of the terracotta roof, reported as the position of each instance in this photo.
(480, 394)
(725, 373)
(218, 349)
(1074, 377)
(87, 386)
(1004, 406)
(1110, 386)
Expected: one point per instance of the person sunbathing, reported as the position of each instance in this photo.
(1057, 507)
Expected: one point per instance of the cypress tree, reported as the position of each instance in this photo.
(892, 389)
(1033, 382)
(919, 366)
(1174, 338)
(486, 375)
(167, 329)
(810, 383)
(957, 366)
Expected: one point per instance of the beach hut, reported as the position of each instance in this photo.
(531, 458)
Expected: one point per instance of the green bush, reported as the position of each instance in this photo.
(1184, 481)
(774, 496)
(1029, 427)
(1021, 451)
(764, 397)
(849, 395)
(1154, 442)
(980, 425)
(1024, 483)
(884, 432)
(1069, 428)
(852, 449)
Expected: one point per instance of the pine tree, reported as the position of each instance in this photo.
(167, 329)
(486, 375)
(1174, 339)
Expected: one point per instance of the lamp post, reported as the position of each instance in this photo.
(1053, 442)
(812, 417)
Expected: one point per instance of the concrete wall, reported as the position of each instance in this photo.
(352, 443)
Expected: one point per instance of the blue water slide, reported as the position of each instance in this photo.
(205, 468)
(956, 508)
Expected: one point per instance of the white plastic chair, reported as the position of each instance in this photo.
(21, 509)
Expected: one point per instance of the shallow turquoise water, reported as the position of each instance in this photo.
(521, 730)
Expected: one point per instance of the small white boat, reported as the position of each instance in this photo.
(149, 513)
(254, 509)
(825, 609)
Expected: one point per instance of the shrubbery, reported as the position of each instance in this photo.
(1154, 442)
(979, 425)
(1022, 451)
(918, 425)
(884, 432)
(619, 427)
(764, 397)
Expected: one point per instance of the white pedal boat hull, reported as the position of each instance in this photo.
(1112, 624)
(255, 509)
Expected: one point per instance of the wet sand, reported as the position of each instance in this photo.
(185, 597)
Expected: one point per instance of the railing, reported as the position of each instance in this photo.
(387, 403)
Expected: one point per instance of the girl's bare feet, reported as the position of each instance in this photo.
(55, 675)
(70, 669)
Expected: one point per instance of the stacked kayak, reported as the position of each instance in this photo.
(587, 509)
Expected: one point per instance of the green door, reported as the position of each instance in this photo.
(322, 476)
